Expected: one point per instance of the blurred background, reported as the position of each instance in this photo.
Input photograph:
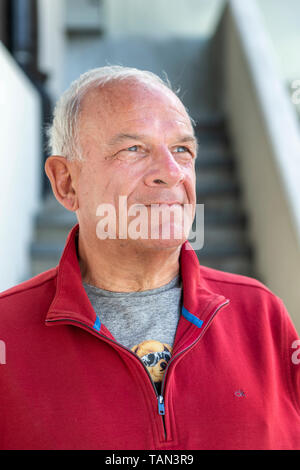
(238, 68)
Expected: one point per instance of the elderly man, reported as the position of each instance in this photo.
(128, 343)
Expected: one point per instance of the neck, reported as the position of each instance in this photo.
(120, 267)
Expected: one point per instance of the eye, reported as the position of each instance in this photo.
(181, 149)
(186, 154)
(133, 148)
(132, 153)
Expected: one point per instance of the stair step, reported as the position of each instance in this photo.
(214, 215)
(228, 249)
(52, 205)
(54, 211)
(226, 203)
(227, 237)
(233, 243)
(41, 265)
(219, 188)
(210, 122)
(216, 180)
(236, 265)
(230, 256)
(47, 250)
(50, 219)
(215, 174)
(212, 159)
(55, 227)
(224, 218)
(213, 131)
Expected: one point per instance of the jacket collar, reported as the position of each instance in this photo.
(199, 301)
(71, 301)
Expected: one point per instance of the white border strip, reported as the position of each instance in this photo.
(282, 126)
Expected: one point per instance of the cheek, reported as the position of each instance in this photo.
(126, 179)
(106, 184)
(190, 185)
(90, 190)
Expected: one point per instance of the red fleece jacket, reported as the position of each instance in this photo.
(65, 383)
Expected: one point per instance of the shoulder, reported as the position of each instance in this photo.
(252, 306)
(230, 280)
(35, 293)
(245, 292)
(33, 283)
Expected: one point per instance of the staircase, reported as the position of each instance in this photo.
(225, 223)
(226, 245)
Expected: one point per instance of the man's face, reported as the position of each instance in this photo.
(137, 141)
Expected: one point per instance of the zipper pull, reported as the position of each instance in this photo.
(161, 405)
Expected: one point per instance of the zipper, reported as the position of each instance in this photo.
(159, 397)
(191, 345)
(161, 405)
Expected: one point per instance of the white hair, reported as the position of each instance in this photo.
(62, 133)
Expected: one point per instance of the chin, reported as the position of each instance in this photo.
(165, 244)
(160, 243)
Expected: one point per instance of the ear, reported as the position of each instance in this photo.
(62, 175)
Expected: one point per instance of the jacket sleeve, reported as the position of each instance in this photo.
(291, 354)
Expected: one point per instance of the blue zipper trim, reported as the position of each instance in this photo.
(97, 324)
(161, 405)
(192, 318)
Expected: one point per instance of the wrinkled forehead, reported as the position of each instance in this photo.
(124, 98)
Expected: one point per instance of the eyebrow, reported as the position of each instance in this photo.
(123, 136)
(120, 137)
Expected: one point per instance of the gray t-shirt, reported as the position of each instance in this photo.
(144, 322)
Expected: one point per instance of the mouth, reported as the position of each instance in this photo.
(164, 203)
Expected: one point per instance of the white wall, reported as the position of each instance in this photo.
(52, 43)
(266, 137)
(161, 18)
(282, 21)
(20, 169)
(155, 18)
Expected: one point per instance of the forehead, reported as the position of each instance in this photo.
(132, 104)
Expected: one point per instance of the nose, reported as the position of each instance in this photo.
(165, 170)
